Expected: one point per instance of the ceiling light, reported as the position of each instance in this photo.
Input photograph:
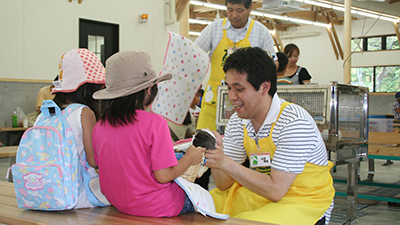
(204, 22)
(194, 33)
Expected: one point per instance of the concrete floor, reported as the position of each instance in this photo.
(376, 213)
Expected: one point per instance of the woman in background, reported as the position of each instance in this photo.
(298, 74)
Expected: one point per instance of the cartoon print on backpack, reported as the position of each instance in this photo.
(54, 166)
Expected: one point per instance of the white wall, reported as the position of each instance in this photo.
(317, 55)
(36, 33)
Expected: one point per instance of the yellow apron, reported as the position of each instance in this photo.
(306, 201)
(207, 117)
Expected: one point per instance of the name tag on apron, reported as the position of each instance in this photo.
(260, 162)
(260, 159)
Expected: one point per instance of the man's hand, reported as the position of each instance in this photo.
(215, 158)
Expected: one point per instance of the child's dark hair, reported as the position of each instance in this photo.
(204, 139)
(187, 120)
(82, 95)
(122, 111)
(283, 61)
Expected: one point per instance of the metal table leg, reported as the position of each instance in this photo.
(352, 190)
(371, 170)
(11, 161)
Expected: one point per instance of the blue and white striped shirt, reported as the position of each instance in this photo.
(212, 35)
(295, 135)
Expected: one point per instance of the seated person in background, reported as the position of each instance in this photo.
(289, 171)
(188, 127)
(43, 94)
(194, 107)
(132, 147)
(280, 70)
(184, 130)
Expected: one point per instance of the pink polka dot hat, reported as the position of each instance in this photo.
(77, 67)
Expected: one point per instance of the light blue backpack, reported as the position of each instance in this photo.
(48, 175)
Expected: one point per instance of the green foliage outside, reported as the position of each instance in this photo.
(385, 78)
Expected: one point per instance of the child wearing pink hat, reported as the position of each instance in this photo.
(80, 75)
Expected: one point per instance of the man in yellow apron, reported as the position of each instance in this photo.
(289, 180)
(222, 38)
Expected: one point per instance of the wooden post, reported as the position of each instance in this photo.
(182, 11)
(347, 43)
(396, 28)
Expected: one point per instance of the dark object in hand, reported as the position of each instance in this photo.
(204, 139)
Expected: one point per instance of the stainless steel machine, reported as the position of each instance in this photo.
(341, 113)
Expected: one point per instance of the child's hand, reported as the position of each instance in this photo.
(195, 154)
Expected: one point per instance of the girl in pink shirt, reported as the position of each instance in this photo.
(132, 147)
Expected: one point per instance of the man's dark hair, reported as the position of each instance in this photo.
(256, 63)
(283, 61)
(122, 111)
(246, 3)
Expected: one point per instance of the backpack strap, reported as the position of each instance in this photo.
(89, 193)
(47, 105)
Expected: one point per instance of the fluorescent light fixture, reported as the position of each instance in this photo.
(296, 20)
(215, 6)
(367, 14)
(317, 4)
(327, 25)
(338, 8)
(194, 33)
(204, 22)
(389, 19)
(354, 10)
(199, 3)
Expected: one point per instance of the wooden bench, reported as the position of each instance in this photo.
(382, 145)
(11, 214)
(8, 151)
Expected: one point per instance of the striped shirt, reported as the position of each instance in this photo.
(212, 35)
(295, 135)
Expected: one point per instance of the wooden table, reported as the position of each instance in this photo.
(11, 214)
(17, 131)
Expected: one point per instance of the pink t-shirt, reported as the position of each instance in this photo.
(127, 157)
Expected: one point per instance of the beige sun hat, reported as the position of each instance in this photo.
(129, 72)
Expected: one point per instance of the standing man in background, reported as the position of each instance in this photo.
(222, 38)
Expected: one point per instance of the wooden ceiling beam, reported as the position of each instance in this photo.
(180, 6)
